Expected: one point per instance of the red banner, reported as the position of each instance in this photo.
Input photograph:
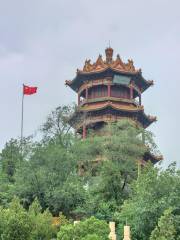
(29, 90)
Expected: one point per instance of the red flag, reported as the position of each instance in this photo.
(29, 90)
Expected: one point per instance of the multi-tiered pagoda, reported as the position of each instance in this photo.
(109, 90)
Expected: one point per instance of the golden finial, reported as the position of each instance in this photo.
(109, 54)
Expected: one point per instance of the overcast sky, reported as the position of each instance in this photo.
(43, 42)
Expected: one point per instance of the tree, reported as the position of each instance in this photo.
(66, 232)
(166, 228)
(48, 169)
(10, 157)
(92, 237)
(152, 193)
(57, 125)
(6, 188)
(13, 154)
(17, 223)
(50, 175)
(110, 160)
(42, 222)
(67, 197)
(86, 230)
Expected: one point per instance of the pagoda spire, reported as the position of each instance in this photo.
(109, 55)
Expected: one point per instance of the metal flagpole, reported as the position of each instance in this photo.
(22, 117)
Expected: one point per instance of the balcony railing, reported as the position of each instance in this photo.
(102, 99)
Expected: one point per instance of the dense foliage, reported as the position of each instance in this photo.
(99, 177)
(87, 229)
(115, 154)
(17, 223)
(153, 193)
(165, 229)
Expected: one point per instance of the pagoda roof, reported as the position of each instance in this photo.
(115, 105)
(149, 156)
(107, 68)
(137, 111)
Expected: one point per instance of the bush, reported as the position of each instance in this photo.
(85, 230)
(18, 224)
(42, 222)
(92, 237)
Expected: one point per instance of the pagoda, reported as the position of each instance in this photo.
(110, 90)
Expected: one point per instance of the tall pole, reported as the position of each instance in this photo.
(22, 117)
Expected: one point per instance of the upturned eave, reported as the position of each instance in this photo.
(109, 71)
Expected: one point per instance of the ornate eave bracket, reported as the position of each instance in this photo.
(68, 82)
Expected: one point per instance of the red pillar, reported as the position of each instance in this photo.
(86, 93)
(84, 131)
(109, 90)
(78, 99)
(131, 91)
(140, 100)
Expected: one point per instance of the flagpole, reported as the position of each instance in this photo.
(22, 117)
(25, 91)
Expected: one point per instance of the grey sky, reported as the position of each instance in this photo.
(43, 42)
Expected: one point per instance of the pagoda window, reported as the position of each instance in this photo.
(97, 92)
(120, 92)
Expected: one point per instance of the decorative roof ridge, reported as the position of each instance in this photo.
(105, 68)
(101, 64)
(150, 117)
(68, 82)
(151, 82)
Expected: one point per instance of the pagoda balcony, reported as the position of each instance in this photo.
(114, 99)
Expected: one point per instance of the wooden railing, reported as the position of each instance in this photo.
(102, 99)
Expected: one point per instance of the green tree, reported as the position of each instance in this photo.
(2, 220)
(13, 154)
(6, 188)
(85, 230)
(56, 126)
(17, 223)
(10, 158)
(50, 175)
(110, 160)
(66, 232)
(152, 193)
(92, 237)
(49, 169)
(166, 228)
(42, 222)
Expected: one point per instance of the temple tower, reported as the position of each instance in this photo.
(109, 90)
